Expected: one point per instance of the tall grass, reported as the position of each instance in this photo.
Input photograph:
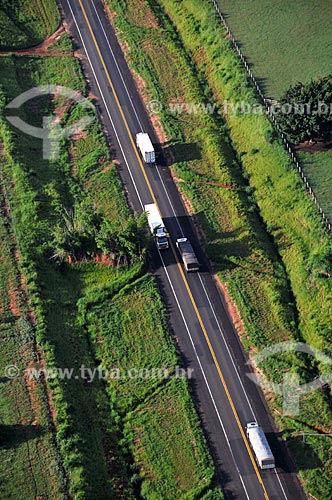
(28, 448)
(36, 188)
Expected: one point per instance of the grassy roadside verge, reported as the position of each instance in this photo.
(263, 233)
(300, 239)
(130, 337)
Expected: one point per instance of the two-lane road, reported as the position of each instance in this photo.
(225, 397)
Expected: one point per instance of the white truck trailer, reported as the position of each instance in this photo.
(188, 255)
(156, 226)
(145, 147)
(260, 446)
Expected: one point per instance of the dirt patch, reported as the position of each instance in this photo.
(61, 109)
(150, 20)
(103, 259)
(79, 134)
(39, 52)
(12, 292)
(107, 167)
(314, 147)
(200, 56)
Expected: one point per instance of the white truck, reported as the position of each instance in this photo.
(145, 147)
(156, 226)
(260, 446)
(188, 255)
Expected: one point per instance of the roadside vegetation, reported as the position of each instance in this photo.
(286, 45)
(304, 112)
(130, 337)
(317, 168)
(263, 234)
(308, 125)
(82, 255)
(30, 457)
(24, 24)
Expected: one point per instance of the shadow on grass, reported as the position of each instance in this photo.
(181, 151)
(12, 436)
(304, 453)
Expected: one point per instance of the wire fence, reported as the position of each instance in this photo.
(266, 103)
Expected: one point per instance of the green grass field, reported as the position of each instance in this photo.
(129, 334)
(285, 42)
(24, 24)
(318, 170)
(134, 332)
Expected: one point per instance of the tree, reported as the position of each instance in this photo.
(75, 236)
(128, 242)
(305, 111)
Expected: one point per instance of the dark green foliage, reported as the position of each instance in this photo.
(24, 24)
(305, 111)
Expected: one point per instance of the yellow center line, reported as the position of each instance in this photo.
(177, 260)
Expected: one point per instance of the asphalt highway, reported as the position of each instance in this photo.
(225, 398)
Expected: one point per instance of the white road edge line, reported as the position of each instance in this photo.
(180, 228)
(281, 486)
(117, 66)
(173, 210)
(174, 213)
(166, 272)
(228, 350)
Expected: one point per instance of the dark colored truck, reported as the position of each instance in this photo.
(187, 253)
